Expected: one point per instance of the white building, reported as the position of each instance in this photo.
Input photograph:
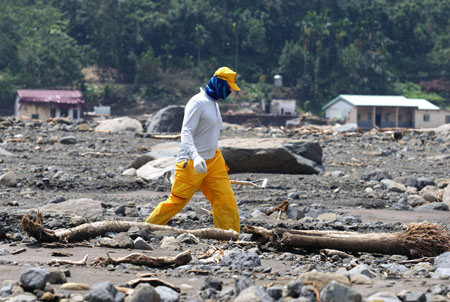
(283, 107)
(385, 111)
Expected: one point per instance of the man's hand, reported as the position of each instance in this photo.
(199, 164)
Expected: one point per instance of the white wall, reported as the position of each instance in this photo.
(437, 118)
(283, 107)
(340, 108)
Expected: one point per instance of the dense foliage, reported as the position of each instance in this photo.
(144, 52)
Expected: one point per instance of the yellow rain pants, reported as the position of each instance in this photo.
(214, 184)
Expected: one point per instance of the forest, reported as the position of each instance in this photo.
(139, 55)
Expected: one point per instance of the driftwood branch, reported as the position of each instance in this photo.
(141, 259)
(82, 262)
(419, 240)
(94, 229)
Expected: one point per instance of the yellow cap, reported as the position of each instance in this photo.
(228, 75)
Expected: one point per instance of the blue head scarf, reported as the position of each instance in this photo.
(217, 88)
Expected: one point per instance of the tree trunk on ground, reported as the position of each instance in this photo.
(92, 230)
(419, 240)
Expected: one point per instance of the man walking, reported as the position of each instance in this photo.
(200, 164)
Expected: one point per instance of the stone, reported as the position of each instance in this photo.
(377, 175)
(361, 269)
(68, 140)
(187, 239)
(322, 279)
(141, 160)
(9, 179)
(336, 292)
(166, 294)
(102, 292)
(442, 273)
(276, 292)
(240, 259)
(434, 206)
(157, 168)
(446, 196)
(169, 243)
(442, 183)
(56, 277)
(294, 213)
(361, 279)
(141, 244)
(119, 124)
(4, 252)
(4, 153)
(143, 293)
(83, 207)
(166, 120)
(77, 220)
(120, 240)
(241, 283)
(274, 155)
(330, 217)
(443, 260)
(422, 182)
(383, 297)
(395, 268)
(430, 193)
(415, 200)
(294, 288)
(129, 172)
(34, 278)
(408, 296)
(212, 282)
(393, 186)
(23, 298)
(253, 294)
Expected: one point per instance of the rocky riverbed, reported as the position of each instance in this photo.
(372, 183)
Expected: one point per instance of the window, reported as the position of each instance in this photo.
(53, 112)
(35, 116)
(386, 116)
(399, 117)
(447, 119)
(369, 116)
(359, 117)
(64, 113)
(426, 117)
(75, 114)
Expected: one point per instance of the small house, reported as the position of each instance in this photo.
(385, 111)
(283, 107)
(45, 104)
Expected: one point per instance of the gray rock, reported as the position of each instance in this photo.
(56, 277)
(294, 288)
(413, 297)
(411, 182)
(430, 193)
(121, 240)
(383, 297)
(4, 252)
(337, 174)
(361, 269)
(336, 292)
(119, 124)
(187, 239)
(141, 244)
(68, 140)
(274, 155)
(5, 153)
(212, 282)
(141, 160)
(169, 243)
(276, 292)
(422, 182)
(415, 200)
(34, 278)
(240, 259)
(434, 206)
(166, 120)
(395, 268)
(83, 207)
(442, 273)
(143, 293)
(9, 179)
(443, 260)
(23, 298)
(157, 168)
(241, 283)
(446, 196)
(376, 175)
(166, 294)
(102, 292)
(253, 294)
(393, 186)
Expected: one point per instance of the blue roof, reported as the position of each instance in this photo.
(382, 101)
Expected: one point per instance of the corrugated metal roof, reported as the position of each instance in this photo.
(383, 101)
(50, 96)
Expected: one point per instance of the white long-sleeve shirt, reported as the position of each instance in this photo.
(202, 123)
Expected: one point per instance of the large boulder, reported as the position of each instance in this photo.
(119, 124)
(166, 120)
(274, 155)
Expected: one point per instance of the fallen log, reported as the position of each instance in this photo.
(82, 262)
(141, 259)
(94, 229)
(419, 240)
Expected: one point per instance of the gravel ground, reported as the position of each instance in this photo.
(58, 162)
